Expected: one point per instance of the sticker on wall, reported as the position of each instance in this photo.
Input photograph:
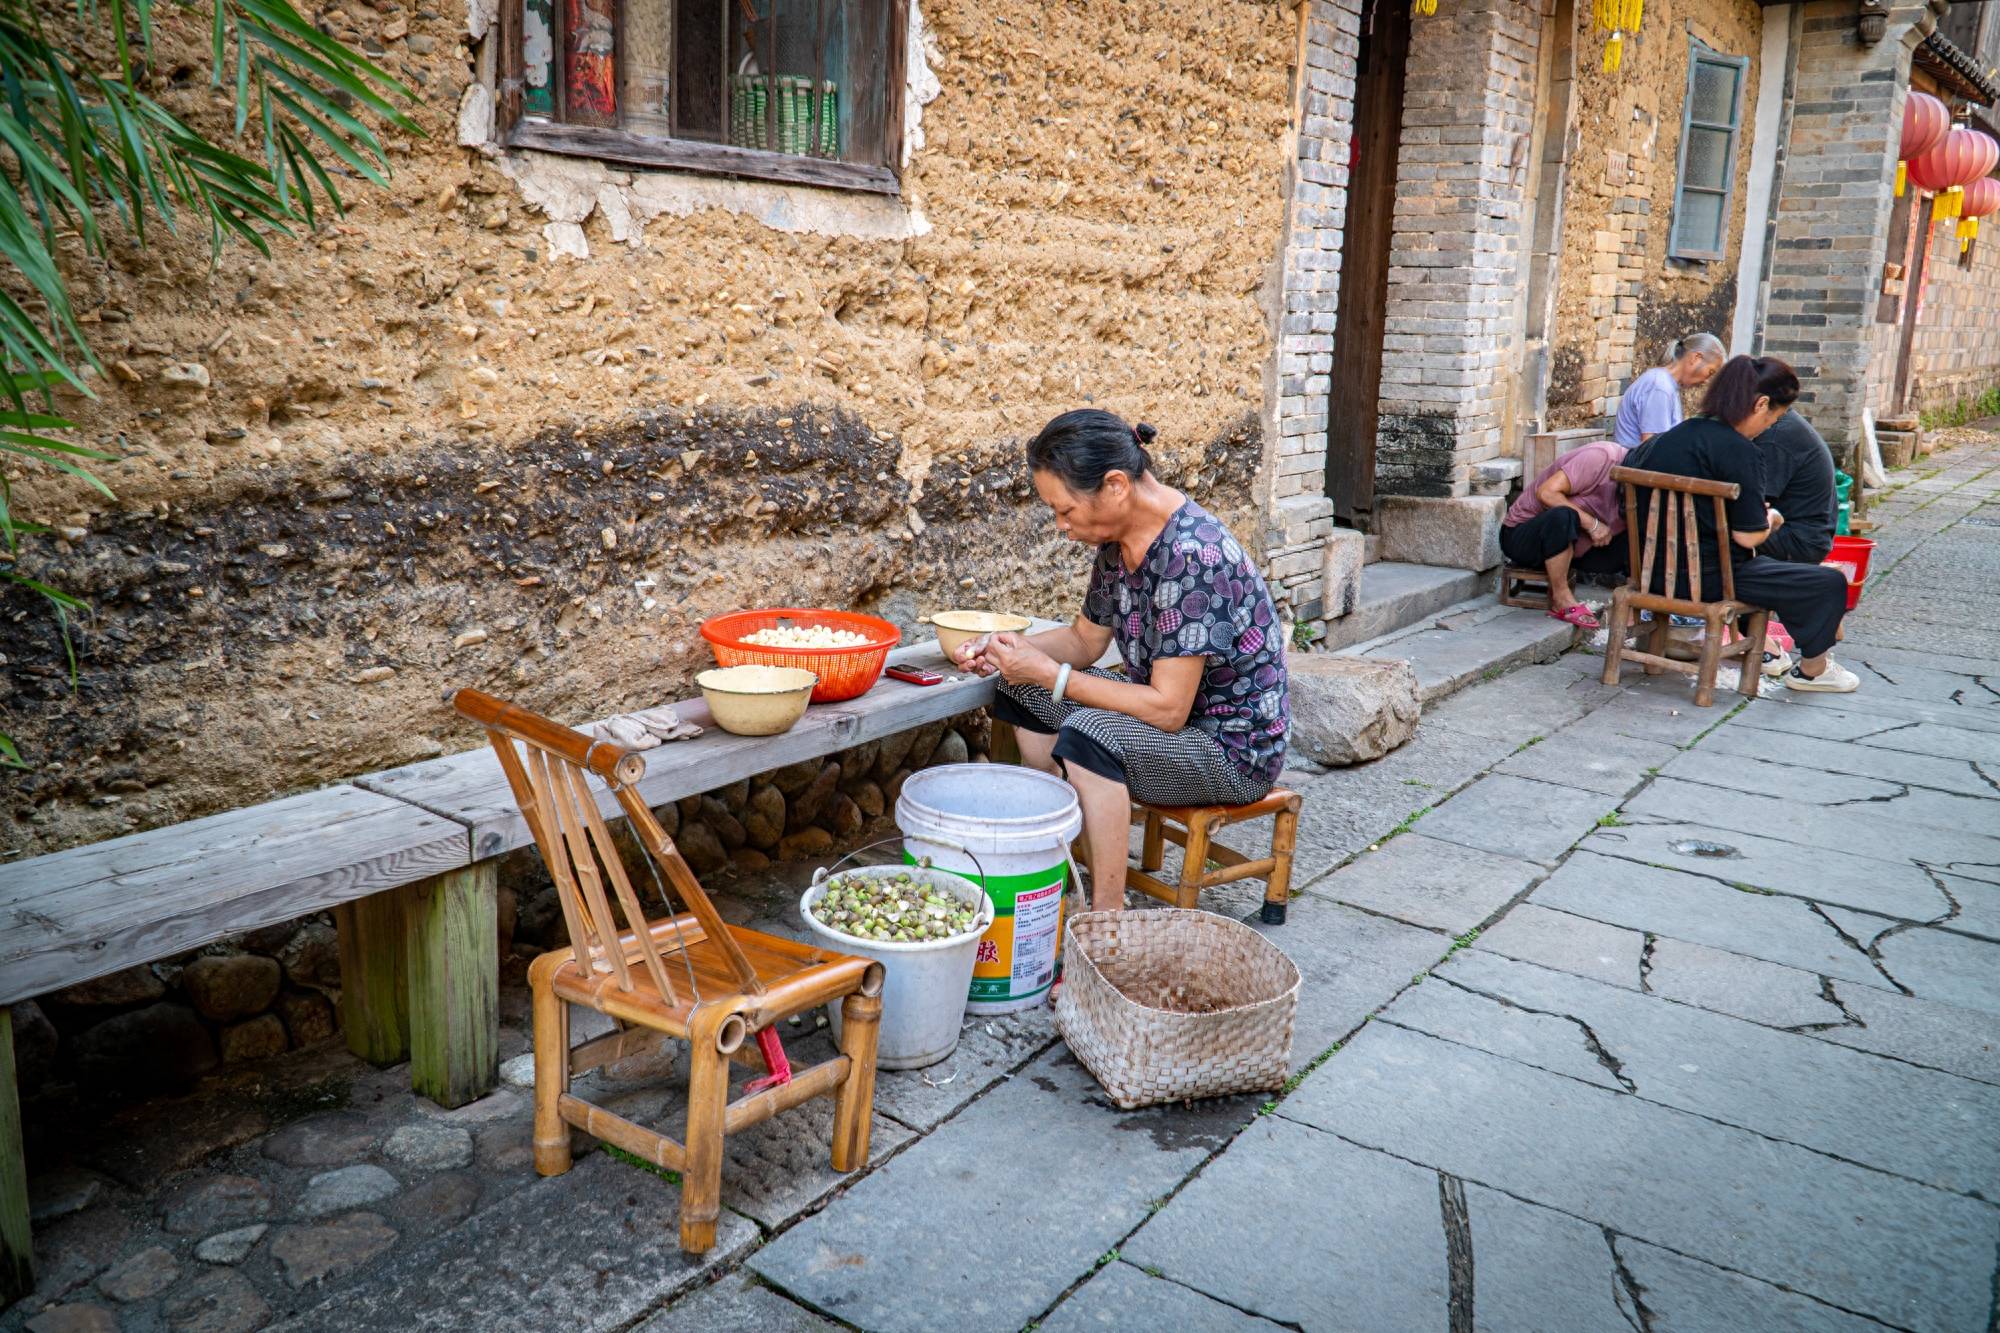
(538, 57)
(591, 81)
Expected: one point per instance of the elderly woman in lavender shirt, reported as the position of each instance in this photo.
(1200, 713)
(1652, 403)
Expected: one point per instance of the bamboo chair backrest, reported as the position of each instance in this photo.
(1670, 528)
(550, 774)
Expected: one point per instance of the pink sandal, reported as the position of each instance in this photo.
(1577, 614)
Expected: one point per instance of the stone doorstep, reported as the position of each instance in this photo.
(1395, 596)
(1468, 642)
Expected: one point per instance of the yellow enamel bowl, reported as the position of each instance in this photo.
(956, 628)
(757, 700)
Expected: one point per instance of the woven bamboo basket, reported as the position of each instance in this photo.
(1168, 1005)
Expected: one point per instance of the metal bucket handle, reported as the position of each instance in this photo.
(824, 872)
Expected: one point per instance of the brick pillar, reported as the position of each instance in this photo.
(1300, 516)
(1458, 259)
(1833, 204)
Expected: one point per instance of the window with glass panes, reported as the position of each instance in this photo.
(809, 91)
(1710, 122)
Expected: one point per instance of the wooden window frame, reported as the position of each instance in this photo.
(513, 130)
(1700, 53)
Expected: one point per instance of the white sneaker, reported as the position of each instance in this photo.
(1836, 679)
(1778, 663)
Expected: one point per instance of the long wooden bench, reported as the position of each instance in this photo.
(405, 859)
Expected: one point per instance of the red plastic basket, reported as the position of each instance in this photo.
(844, 673)
(1851, 556)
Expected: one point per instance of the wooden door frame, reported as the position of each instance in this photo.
(1354, 395)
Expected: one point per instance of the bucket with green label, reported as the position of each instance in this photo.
(1018, 824)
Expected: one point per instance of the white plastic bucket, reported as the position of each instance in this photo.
(924, 983)
(1008, 830)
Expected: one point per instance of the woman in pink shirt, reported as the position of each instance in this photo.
(1566, 521)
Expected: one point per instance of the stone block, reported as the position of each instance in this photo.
(1344, 556)
(1348, 710)
(1460, 532)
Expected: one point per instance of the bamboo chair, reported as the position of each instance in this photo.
(687, 977)
(1670, 528)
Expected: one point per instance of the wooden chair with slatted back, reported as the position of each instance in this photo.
(1671, 534)
(688, 976)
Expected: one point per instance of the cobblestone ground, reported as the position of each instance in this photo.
(1618, 1013)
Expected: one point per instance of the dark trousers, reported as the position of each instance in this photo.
(1531, 544)
(1810, 599)
(1797, 546)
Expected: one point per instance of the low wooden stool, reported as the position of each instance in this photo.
(1524, 587)
(1193, 827)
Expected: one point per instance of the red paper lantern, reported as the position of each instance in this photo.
(1963, 157)
(1925, 122)
(1981, 198)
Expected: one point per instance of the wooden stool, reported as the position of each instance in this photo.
(1192, 828)
(1524, 587)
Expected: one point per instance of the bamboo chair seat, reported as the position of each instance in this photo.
(687, 976)
(1672, 534)
(1193, 827)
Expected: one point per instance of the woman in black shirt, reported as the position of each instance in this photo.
(1745, 398)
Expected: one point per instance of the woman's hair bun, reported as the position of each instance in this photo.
(1145, 433)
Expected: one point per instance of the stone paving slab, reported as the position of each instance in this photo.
(1364, 1233)
(1957, 776)
(1533, 701)
(1351, 963)
(1537, 934)
(1930, 1033)
(1121, 1297)
(1426, 882)
(594, 1248)
(1980, 747)
(1867, 709)
(1941, 965)
(1538, 1269)
(1350, 808)
(1705, 911)
(1516, 817)
(1448, 660)
(1858, 1239)
(1885, 888)
(1843, 792)
(1890, 658)
(984, 1195)
(1921, 1125)
(736, 1305)
(1606, 763)
(1888, 674)
(1855, 830)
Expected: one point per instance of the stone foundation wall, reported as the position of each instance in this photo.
(155, 1029)
(1957, 350)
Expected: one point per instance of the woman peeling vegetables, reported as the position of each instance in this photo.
(1200, 714)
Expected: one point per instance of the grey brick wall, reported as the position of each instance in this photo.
(1299, 513)
(1458, 258)
(1833, 208)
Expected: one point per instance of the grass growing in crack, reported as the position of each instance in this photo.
(671, 1177)
(1750, 888)
(1463, 941)
(1110, 1257)
(1416, 782)
(1409, 822)
(1612, 820)
(1708, 731)
(1292, 1083)
(1151, 1271)
(1529, 743)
